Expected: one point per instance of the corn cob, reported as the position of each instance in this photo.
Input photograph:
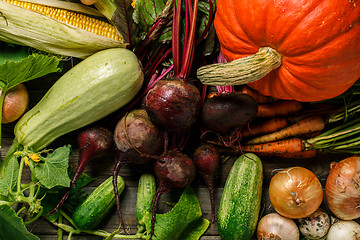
(55, 30)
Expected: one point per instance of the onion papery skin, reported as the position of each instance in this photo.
(274, 226)
(295, 192)
(344, 230)
(16, 102)
(342, 188)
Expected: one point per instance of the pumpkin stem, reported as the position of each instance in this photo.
(241, 71)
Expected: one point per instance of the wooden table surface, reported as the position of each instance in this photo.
(102, 169)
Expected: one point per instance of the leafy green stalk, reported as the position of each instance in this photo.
(344, 138)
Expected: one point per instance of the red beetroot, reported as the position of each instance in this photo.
(173, 104)
(174, 170)
(227, 111)
(137, 141)
(93, 143)
(207, 160)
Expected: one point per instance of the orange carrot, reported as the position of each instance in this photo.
(260, 98)
(279, 108)
(264, 127)
(278, 148)
(308, 125)
(304, 154)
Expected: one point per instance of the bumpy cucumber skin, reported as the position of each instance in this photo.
(89, 214)
(92, 89)
(145, 194)
(239, 208)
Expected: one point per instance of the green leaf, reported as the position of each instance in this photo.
(32, 67)
(16, 146)
(12, 52)
(12, 226)
(76, 197)
(173, 224)
(195, 230)
(147, 12)
(53, 171)
(10, 176)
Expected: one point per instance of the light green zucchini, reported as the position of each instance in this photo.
(90, 213)
(239, 208)
(92, 89)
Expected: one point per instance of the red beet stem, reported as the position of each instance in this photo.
(120, 162)
(93, 142)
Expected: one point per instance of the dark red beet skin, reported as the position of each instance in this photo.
(176, 169)
(173, 104)
(227, 111)
(207, 160)
(135, 133)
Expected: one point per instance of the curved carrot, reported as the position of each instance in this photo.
(265, 127)
(308, 125)
(255, 94)
(279, 108)
(287, 146)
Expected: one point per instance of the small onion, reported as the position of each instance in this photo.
(342, 188)
(315, 226)
(344, 230)
(295, 192)
(275, 226)
(15, 103)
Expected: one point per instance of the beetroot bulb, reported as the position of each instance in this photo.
(173, 104)
(207, 160)
(228, 111)
(174, 169)
(137, 141)
(93, 143)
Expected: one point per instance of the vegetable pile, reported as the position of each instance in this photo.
(188, 95)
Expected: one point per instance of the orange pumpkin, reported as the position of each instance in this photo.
(318, 43)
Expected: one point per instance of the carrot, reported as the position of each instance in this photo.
(287, 146)
(304, 154)
(279, 108)
(259, 98)
(308, 125)
(264, 127)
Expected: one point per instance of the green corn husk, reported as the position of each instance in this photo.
(25, 27)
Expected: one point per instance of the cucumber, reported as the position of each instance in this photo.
(145, 194)
(89, 214)
(240, 202)
(92, 89)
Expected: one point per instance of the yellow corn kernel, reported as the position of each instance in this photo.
(72, 18)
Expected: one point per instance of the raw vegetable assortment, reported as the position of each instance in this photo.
(139, 92)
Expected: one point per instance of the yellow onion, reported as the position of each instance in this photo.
(295, 192)
(15, 103)
(342, 188)
(275, 226)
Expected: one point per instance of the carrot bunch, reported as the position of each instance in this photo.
(294, 129)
